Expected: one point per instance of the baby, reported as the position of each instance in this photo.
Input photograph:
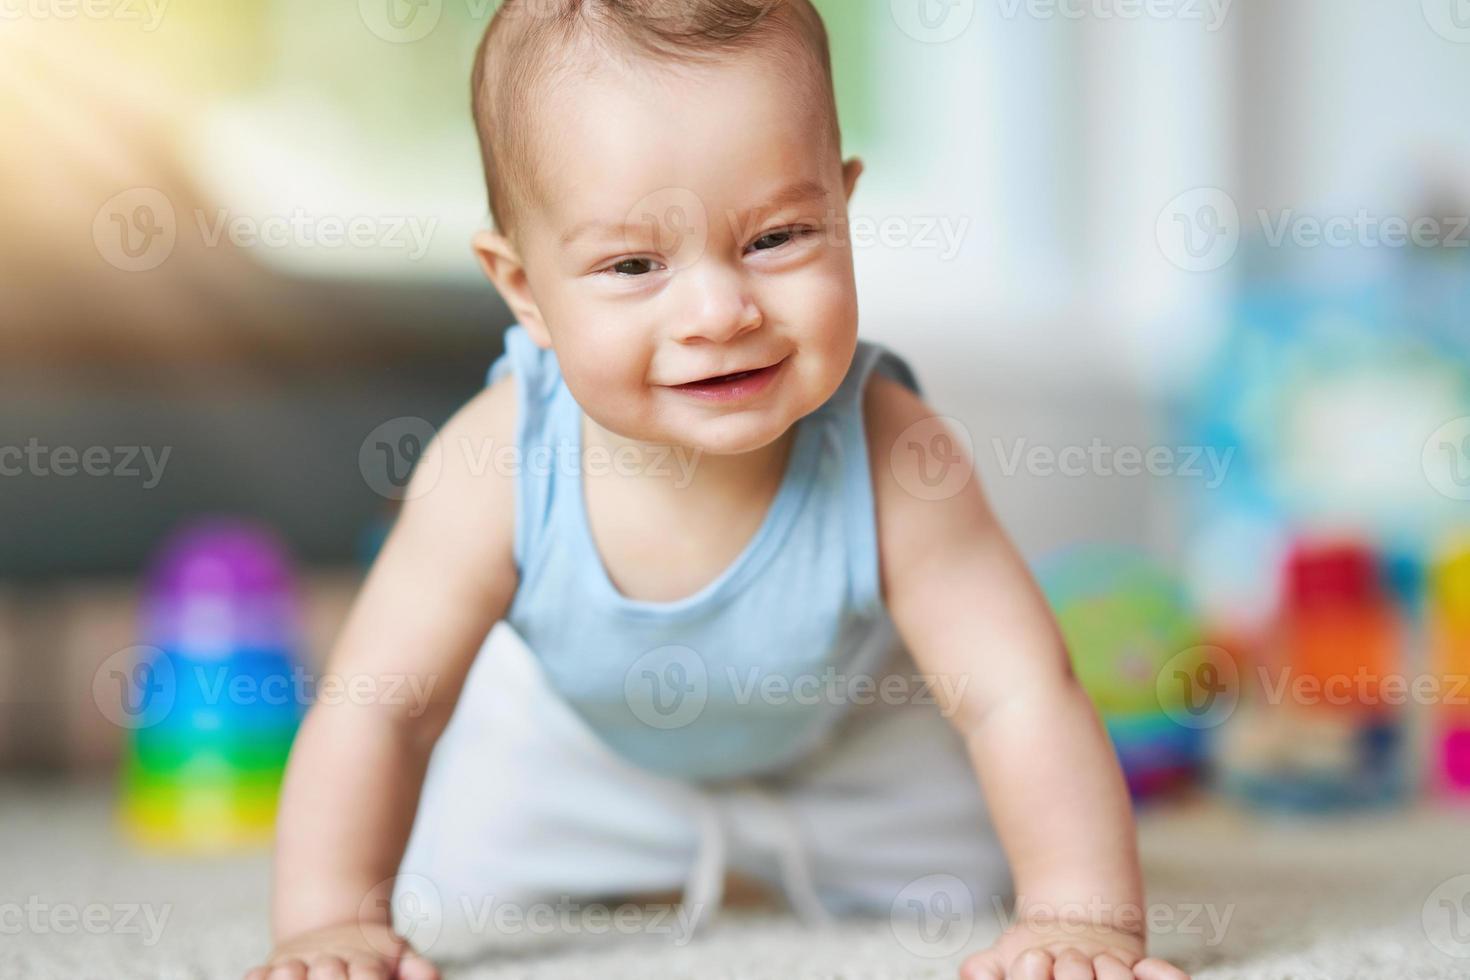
(761, 620)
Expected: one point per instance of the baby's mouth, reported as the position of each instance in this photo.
(724, 378)
(738, 385)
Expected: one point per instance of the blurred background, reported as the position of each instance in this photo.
(1192, 277)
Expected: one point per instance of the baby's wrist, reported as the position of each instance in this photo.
(1123, 920)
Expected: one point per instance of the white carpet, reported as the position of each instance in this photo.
(1333, 900)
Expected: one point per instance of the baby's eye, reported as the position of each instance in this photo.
(776, 239)
(633, 267)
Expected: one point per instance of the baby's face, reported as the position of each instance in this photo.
(692, 226)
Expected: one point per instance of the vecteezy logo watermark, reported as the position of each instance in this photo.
(37, 917)
(1200, 687)
(931, 458)
(1446, 917)
(942, 233)
(1363, 687)
(409, 234)
(401, 21)
(667, 688)
(933, 916)
(119, 462)
(135, 231)
(1210, 13)
(1362, 229)
(135, 687)
(933, 21)
(1450, 19)
(138, 688)
(831, 686)
(1099, 459)
(671, 222)
(149, 13)
(138, 229)
(1446, 459)
(676, 463)
(393, 463)
(568, 917)
(412, 904)
(391, 455)
(1209, 921)
(670, 687)
(1199, 231)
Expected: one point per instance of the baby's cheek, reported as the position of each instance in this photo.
(830, 338)
(608, 379)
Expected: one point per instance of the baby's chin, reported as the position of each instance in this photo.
(732, 433)
(731, 436)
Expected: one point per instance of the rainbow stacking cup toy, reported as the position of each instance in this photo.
(222, 691)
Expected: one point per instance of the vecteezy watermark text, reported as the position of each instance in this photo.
(1210, 13)
(1201, 230)
(302, 229)
(935, 916)
(138, 229)
(1364, 687)
(38, 917)
(1158, 918)
(417, 908)
(149, 13)
(122, 462)
(669, 687)
(570, 917)
(139, 687)
(1208, 463)
(395, 463)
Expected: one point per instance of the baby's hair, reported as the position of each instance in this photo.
(522, 45)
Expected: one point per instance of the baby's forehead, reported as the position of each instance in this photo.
(677, 147)
(590, 105)
(601, 123)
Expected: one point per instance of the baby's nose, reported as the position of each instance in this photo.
(721, 306)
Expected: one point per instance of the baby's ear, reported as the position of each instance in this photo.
(502, 264)
(851, 171)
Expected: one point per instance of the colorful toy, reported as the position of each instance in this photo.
(1450, 632)
(1326, 730)
(1135, 647)
(221, 693)
(1337, 387)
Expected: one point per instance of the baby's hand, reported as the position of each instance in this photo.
(1072, 952)
(352, 951)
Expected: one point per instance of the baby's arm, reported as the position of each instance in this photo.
(445, 576)
(969, 611)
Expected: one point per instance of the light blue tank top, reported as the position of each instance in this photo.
(754, 670)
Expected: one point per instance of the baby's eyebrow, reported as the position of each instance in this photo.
(799, 192)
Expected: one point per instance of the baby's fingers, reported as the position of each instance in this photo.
(1157, 969)
(289, 970)
(366, 969)
(415, 967)
(1034, 964)
(1072, 965)
(327, 967)
(1111, 968)
(982, 966)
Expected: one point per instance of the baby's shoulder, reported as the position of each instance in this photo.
(475, 442)
(889, 409)
(461, 490)
(925, 486)
(491, 413)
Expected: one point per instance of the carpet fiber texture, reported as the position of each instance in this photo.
(1230, 896)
